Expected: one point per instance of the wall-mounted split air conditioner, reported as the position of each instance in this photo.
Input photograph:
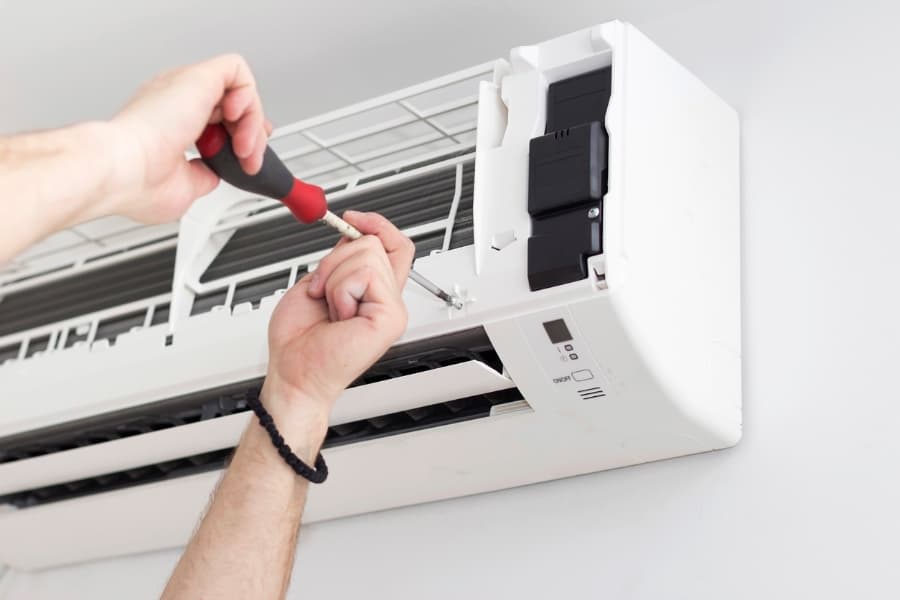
(590, 220)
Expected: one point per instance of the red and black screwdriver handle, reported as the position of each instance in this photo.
(274, 180)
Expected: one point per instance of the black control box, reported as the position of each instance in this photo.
(566, 168)
(559, 245)
(578, 100)
(567, 180)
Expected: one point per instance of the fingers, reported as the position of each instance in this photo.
(364, 277)
(355, 281)
(242, 109)
(399, 248)
(295, 312)
(341, 254)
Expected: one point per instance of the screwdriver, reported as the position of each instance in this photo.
(305, 200)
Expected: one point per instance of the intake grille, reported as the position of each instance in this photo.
(416, 201)
(254, 290)
(420, 200)
(129, 281)
(8, 353)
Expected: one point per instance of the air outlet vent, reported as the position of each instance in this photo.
(227, 400)
(407, 359)
(426, 417)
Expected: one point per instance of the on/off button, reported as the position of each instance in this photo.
(582, 375)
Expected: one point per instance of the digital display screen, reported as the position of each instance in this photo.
(557, 331)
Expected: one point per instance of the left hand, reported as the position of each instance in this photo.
(337, 321)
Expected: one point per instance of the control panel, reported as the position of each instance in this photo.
(564, 356)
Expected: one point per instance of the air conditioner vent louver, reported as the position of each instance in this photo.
(425, 417)
(114, 481)
(415, 201)
(201, 406)
(408, 421)
(227, 400)
(135, 279)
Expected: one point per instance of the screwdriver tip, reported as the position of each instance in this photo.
(451, 300)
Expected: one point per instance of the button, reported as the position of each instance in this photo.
(573, 356)
(582, 375)
(569, 347)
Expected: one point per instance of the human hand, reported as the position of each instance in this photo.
(337, 321)
(153, 181)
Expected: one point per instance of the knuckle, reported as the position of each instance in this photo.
(370, 242)
(365, 272)
(377, 220)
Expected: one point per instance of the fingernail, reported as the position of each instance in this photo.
(314, 280)
(352, 213)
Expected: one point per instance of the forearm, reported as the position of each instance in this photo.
(52, 180)
(244, 547)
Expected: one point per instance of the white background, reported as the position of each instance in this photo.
(808, 505)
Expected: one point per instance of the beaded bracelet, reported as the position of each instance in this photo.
(317, 475)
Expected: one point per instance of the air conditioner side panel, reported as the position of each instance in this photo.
(673, 225)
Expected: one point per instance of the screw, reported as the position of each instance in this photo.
(594, 213)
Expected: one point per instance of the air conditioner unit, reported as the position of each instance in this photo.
(590, 222)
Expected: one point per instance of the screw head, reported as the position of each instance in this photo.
(593, 213)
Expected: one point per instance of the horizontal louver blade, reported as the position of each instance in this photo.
(426, 417)
(223, 401)
(408, 359)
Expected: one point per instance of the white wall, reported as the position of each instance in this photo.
(808, 505)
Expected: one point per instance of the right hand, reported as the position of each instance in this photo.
(336, 321)
(153, 181)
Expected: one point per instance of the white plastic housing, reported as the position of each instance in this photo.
(656, 327)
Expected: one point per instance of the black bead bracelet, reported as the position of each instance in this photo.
(317, 475)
